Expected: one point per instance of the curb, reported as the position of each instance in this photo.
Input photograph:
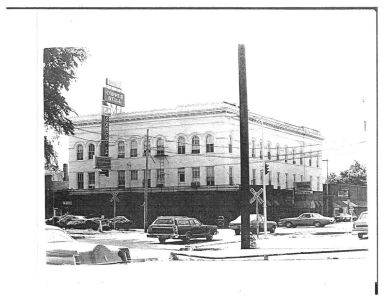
(175, 256)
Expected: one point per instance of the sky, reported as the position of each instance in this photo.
(307, 68)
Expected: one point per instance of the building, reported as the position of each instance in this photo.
(193, 147)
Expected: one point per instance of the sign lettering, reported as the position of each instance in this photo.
(113, 97)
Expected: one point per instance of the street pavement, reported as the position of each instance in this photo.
(330, 242)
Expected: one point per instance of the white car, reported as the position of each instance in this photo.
(236, 224)
(62, 249)
(361, 225)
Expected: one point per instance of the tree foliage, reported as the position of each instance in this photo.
(60, 65)
(355, 175)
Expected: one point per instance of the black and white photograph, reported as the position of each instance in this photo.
(200, 151)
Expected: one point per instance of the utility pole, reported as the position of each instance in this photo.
(264, 190)
(327, 186)
(146, 185)
(244, 150)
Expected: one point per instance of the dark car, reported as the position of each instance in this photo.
(344, 217)
(306, 219)
(178, 227)
(62, 249)
(236, 224)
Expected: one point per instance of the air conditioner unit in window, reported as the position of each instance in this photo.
(195, 184)
(160, 185)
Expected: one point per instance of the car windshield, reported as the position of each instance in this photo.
(164, 221)
(55, 236)
(363, 216)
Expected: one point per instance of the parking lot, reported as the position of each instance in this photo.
(334, 237)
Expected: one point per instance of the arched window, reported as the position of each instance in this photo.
(209, 143)
(253, 148)
(159, 146)
(301, 157)
(80, 152)
(133, 151)
(293, 156)
(269, 150)
(286, 154)
(195, 144)
(181, 145)
(121, 149)
(91, 151)
(261, 150)
(145, 147)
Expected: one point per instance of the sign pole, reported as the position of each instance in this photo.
(146, 186)
(264, 190)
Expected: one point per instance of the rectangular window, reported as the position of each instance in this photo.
(210, 176)
(80, 181)
(293, 157)
(160, 176)
(253, 149)
(253, 182)
(91, 180)
(318, 161)
(310, 160)
(148, 177)
(318, 183)
(261, 177)
(286, 180)
(134, 175)
(301, 158)
(196, 174)
(261, 150)
(181, 174)
(294, 178)
(269, 178)
(278, 179)
(230, 145)
(230, 175)
(133, 152)
(121, 178)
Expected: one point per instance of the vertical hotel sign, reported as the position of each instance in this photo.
(105, 131)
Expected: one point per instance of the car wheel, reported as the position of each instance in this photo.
(360, 235)
(289, 224)
(317, 224)
(209, 237)
(162, 240)
(272, 230)
(187, 237)
(237, 231)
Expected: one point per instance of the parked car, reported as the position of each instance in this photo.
(361, 225)
(306, 219)
(120, 222)
(179, 227)
(236, 224)
(64, 220)
(62, 249)
(344, 217)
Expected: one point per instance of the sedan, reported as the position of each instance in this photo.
(306, 219)
(361, 225)
(62, 249)
(343, 217)
(236, 224)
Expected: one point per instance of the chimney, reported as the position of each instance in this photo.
(65, 172)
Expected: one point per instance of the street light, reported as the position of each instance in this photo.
(327, 186)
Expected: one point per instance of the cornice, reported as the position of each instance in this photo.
(221, 109)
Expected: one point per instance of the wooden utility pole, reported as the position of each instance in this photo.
(244, 150)
(146, 185)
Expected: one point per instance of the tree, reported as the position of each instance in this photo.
(60, 65)
(356, 175)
